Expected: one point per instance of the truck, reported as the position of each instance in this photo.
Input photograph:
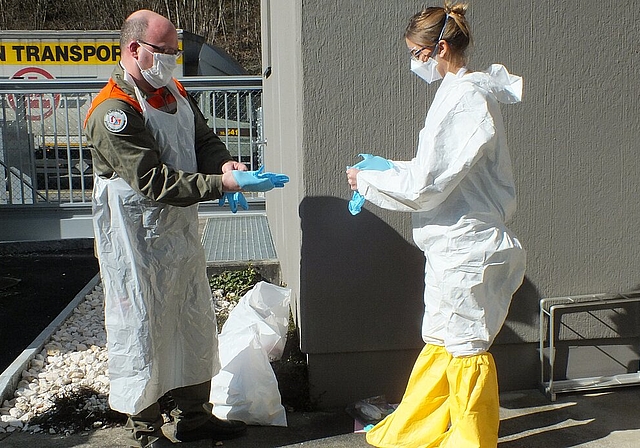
(41, 133)
(91, 54)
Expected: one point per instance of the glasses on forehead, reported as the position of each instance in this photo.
(163, 50)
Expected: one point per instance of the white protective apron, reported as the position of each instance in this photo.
(159, 312)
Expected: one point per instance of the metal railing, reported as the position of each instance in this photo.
(44, 155)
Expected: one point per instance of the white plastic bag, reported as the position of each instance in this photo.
(254, 334)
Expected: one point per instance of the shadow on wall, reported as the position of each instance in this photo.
(515, 348)
(361, 291)
(361, 282)
(523, 315)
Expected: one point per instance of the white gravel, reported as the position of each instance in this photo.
(75, 357)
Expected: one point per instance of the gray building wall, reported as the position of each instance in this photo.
(340, 85)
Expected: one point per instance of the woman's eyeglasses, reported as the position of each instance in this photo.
(416, 52)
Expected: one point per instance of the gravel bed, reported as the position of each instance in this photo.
(72, 372)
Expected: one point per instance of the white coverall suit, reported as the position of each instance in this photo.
(460, 189)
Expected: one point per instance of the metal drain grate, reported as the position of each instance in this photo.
(238, 238)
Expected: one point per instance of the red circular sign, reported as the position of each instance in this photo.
(36, 106)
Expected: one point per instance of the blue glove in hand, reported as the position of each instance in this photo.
(258, 180)
(234, 199)
(356, 203)
(369, 162)
(278, 179)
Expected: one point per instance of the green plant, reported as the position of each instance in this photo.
(235, 282)
(228, 287)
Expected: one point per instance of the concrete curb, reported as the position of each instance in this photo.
(10, 378)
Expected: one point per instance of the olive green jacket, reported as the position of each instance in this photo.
(133, 154)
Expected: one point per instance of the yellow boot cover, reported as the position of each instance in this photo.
(449, 402)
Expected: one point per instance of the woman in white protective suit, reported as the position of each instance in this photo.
(461, 191)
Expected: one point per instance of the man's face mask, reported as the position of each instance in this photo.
(160, 73)
(426, 70)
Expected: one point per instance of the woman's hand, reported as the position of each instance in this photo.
(352, 178)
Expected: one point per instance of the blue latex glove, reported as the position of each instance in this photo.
(278, 179)
(234, 199)
(369, 162)
(356, 203)
(258, 180)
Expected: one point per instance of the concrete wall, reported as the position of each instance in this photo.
(340, 85)
(283, 108)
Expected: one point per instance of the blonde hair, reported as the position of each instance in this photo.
(424, 28)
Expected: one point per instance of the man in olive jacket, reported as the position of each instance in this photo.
(154, 159)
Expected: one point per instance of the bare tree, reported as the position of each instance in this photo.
(234, 25)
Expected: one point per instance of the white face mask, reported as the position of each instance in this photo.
(160, 73)
(426, 70)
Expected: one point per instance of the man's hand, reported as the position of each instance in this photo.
(234, 165)
(229, 183)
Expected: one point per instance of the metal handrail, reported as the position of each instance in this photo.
(94, 85)
(549, 308)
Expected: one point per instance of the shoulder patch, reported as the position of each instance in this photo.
(115, 120)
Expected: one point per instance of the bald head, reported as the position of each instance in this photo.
(148, 26)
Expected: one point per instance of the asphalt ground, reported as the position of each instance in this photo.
(607, 419)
